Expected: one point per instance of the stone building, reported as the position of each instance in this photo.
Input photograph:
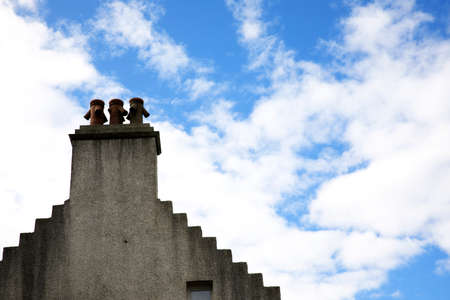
(114, 239)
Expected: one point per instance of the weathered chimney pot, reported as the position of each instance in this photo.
(137, 111)
(95, 113)
(116, 112)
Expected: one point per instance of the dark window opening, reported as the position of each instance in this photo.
(199, 290)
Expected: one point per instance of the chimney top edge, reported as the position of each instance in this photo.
(120, 131)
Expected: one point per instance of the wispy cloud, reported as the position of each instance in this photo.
(443, 266)
(199, 86)
(30, 5)
(378, 122)
(134, 24)
(396, 294)
(248, 13)
(253, 32)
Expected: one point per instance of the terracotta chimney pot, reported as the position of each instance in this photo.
(95, 113)
(116, 112)
(137, 110)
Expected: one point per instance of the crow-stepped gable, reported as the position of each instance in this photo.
(114, 239)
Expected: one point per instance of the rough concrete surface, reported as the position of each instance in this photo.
(114, 239)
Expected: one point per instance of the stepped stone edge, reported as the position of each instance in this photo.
(240, 266)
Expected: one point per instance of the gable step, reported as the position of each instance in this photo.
(167, 205)
(58, 212)
(257, 286)
(240, 268)
(28, 258)
(209, 243)
(241, 289)
(195, 232)
(41, 224)
(2, 278)
(225, 254)
(180, 219)
(272, 293)
(25, 239)
(9, 252)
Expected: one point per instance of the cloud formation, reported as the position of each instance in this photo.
(355, 151)
(40, 68)
(378, 121)
(133, 24)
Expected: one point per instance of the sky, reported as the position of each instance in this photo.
(310, 137)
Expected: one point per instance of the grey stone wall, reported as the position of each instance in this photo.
(114, 239)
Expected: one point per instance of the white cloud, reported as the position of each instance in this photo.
(442, 266)
(30, 5)
(396, 294)
(248, 12)
(133, 25)
(39, 69)
(367, 24)
(390, 118)
(199, 86)
(391, 113)
(253, 31)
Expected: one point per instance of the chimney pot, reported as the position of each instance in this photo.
(137, 111)
(95, 113)
(116, 112)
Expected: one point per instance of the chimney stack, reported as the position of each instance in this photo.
(113, 202)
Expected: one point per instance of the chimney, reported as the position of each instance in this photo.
(113, 188)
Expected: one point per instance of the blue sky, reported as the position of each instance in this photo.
(327, 123)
